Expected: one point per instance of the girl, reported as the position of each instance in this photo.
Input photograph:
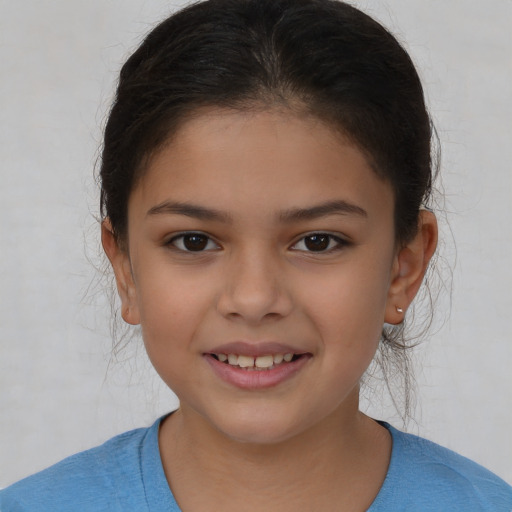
(266, 180)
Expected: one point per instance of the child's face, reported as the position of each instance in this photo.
(255, 188)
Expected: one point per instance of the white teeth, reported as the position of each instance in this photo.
(265, 362)
(278, 358)
(245, 361)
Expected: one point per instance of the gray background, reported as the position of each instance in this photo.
(60, 392)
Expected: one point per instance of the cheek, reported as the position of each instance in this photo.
(172, 305)
(171, 311)
(348, 312)
(349, 301)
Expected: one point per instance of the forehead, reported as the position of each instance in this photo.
(242, 161)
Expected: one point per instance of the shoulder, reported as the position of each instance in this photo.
(426, 476)
(96, 479)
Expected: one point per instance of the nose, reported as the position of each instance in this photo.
(254, 289)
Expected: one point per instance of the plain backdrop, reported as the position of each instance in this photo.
(60, 390)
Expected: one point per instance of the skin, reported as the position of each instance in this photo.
(303, 444)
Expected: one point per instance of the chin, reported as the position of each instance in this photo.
(259, 427)
(258, 434)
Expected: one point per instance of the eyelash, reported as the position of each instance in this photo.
(174, 241)
(178, 242)
(339, 243)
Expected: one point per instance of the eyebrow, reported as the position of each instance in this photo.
(189, 210)
(337, 207)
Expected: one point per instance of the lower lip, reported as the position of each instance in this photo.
(256, 379)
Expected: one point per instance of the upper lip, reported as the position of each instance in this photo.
(255, 349)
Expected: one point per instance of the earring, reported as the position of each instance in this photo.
(399, 310)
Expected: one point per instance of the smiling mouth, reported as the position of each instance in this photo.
(259, 363)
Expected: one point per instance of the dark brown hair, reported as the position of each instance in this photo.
(324, 57)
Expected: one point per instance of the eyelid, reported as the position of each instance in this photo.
(341, 242)
(177, 236)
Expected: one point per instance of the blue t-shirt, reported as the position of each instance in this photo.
(125, 474)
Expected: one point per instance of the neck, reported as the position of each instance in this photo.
(341, 460)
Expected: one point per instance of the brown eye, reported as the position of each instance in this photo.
(193, 242)
(320, 243)
(317, 242)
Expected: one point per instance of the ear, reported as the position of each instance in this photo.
(409, 267)
(120, 261)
